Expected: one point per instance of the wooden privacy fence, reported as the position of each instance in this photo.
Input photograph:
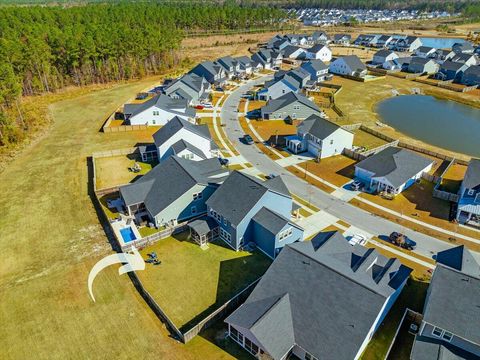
(123, 128)
(116, 152)
(151, 239)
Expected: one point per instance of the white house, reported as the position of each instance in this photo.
(382, 56)
(348, 65)
(186, 140)
(276, 88)
(158, 110)
(425, 51)
(320, 52)
(320, 137)
(392, 170)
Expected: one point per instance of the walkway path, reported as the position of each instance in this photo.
(368, 222)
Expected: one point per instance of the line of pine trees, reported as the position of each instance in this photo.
(43, 49)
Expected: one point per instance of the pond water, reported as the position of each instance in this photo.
(440, 43)
(443, 123)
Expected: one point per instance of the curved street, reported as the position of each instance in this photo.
(366, 222)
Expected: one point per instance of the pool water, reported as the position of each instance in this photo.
(127, 234)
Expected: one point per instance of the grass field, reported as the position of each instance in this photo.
(114, 170)
(45, 309)
(192, 282)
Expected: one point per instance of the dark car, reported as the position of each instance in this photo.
(270, 176)
(223, 161)
(402, 240)
(247, 139)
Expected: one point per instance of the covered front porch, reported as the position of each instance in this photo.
(295, 144)
(469, 214)
(203, 230)
(378, 186)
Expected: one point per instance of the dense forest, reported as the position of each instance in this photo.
(43, 49)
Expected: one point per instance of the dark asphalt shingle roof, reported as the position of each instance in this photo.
(316, 48)
(181, 145)
(397, 165)
(384, 53)
(335, 291)
(174, 106)
(354, 63)
(451, 66)
(316, 65)
(239, 194)
(287, 99)
(427, 348)
(271, 220)
(318, 127)
(471, 179)
(177, 124)
(459, 258)
(169, 180)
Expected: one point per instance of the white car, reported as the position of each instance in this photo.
(358, 239)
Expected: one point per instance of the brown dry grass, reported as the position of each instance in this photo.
(369, 141)
(453, 178)
(301, 174)
(337, 170)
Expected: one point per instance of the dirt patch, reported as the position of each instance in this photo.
(337, 170)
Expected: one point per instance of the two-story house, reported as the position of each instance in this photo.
(186, 140)
(248, 209)
(349, 65)
(290, 105)
(319, 137)
(214, 73)
(425, 51)
(408, 44)
(190, 87)
(450, 327)
(320, 299)
(230, 66)
(173, 191)
(274, 89)
(382, 56)
(320, 52)
(316, 68)
(469, 202)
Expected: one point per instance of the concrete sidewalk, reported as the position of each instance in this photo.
(294, 160)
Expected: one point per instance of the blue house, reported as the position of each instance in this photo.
(469, 204)
(450, 70)
(247, 209)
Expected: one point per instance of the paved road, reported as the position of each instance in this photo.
(365, 221)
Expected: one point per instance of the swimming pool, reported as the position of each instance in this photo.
(127, 234)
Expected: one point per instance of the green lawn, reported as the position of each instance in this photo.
(413, 297)
(191, 282)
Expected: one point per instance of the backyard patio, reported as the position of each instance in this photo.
(190, 283)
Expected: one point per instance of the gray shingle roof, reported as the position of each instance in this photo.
(354, 62)
(384, 53)
(316, 65)
(427, 348)
(316, 48)
(170, 179)
(318, 127)
(471, 179)
(271, 220)
(289, 98)
(461, 259)
(335, 291)
(238, 194)
(397, 165)
(163, 102)
(177, 124)
(181, 145)
(451, 66)
(453, 303)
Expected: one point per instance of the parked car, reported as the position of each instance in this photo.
(271, 176)
(358, 239)
(141, 96)
(219, 88)
(199, 107)
(402, 241)
(356, 185)
(247, 139)
(223, 161)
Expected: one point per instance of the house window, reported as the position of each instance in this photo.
(471, 192)
(477, 198)
(251, 347)
(234, 333)
(331, 142)
(296, 107)
(156, 113)
(437, 332)
(153, 122)
(193, 210)
(224, 221)
(285, 234)
(309, 357)
(225, 235)
(197, 196)
(447, 336)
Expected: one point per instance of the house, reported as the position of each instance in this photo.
(392, 170)
(319, 137)
(450, 324)
(229, 65)
(382, 56)
(214, 73)
(420, 65)
(342, 39)
(320, 299)
(294, 52)
(363, 39)
(296, 39)
(158, 110)
(186, 140)
(244, 65)
(300, 75)
(281, 44)
(248, 209)
(392, 65)
(468, 59)
(190, 87)
(469, 203)
(383, 41)
(173, 191)
(269, 44)
(463, 48)
(443, 55)
(477, 51)
(450, 70)
(471, 76)
(290, 105)
(319, 52)
(317, 69)
(425, 51)
(349, 65)
(409, 44)
(404, 62)
(274, 89)
(320, 37)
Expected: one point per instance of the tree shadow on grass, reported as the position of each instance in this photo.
(348, 171)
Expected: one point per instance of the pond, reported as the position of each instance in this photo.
(443, 123)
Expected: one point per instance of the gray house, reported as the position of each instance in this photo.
(350, 65)
(469, 203)
(190, 87)
(442, 55)
(212, 72)
(450, 328)
(290, 105)
(320, 299)
(450, 70)
(173, 191)
(244, 65)
(316, 68)
(393, 169)
(229, 64)
(381, 56)
(342, 39)
(420, 65)
(248, 209)
(468, 59)
(409, 43)
(471, 76)
(465, 48)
